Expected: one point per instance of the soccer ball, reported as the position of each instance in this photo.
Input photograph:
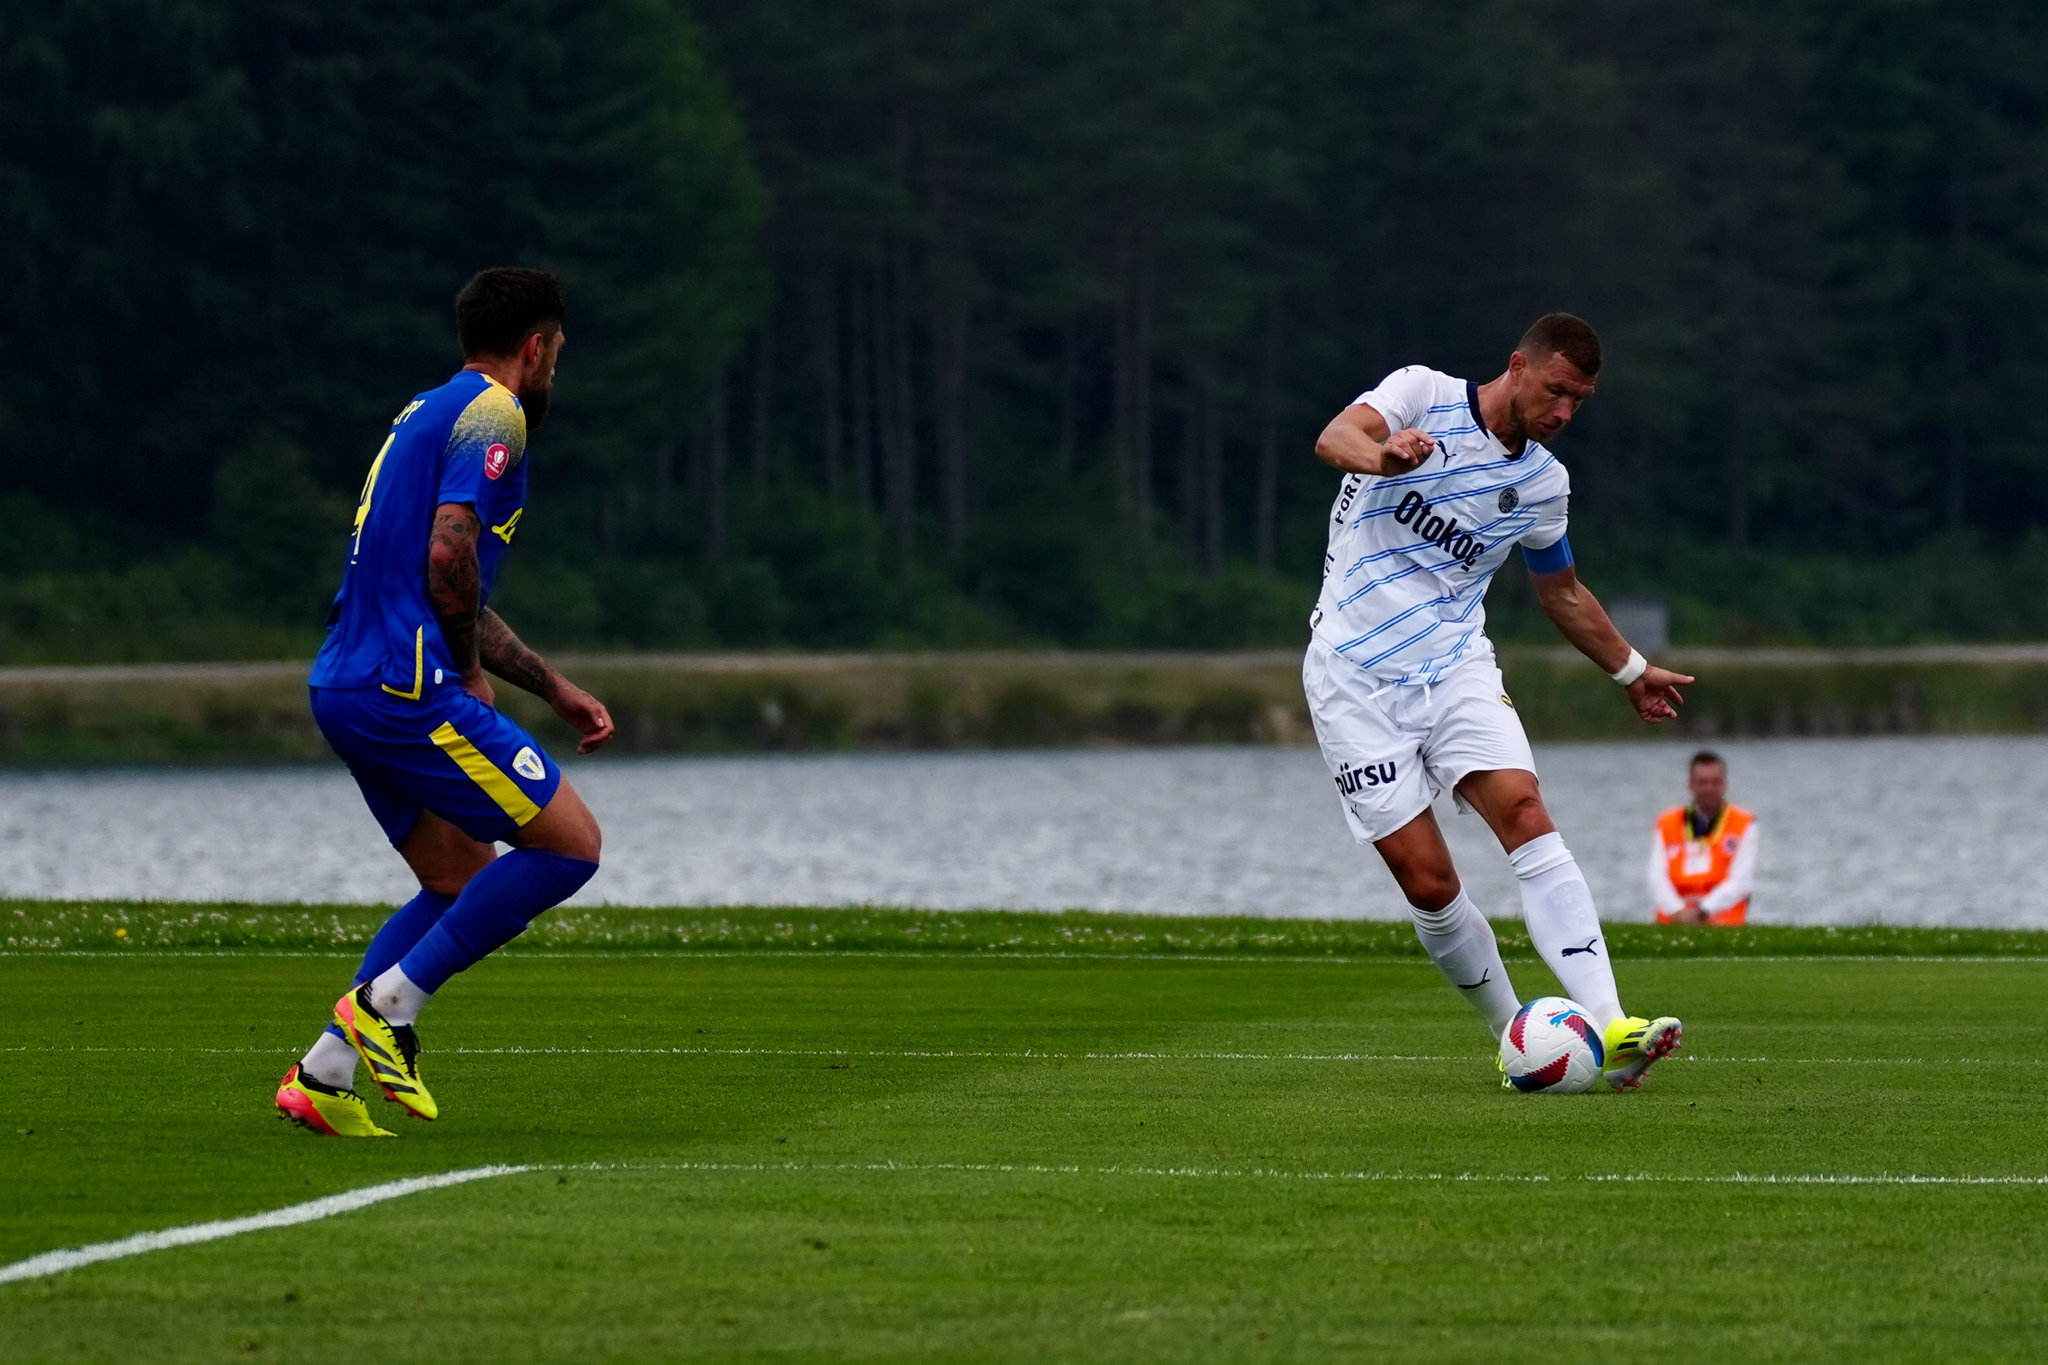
(1552, 1047)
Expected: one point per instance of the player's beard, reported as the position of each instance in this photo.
(534, 401)
(1520, 434)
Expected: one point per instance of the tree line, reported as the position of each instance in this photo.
(923, 322)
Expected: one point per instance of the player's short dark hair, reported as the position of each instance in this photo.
(1706, 756)
(1565, 335)
(500, 307)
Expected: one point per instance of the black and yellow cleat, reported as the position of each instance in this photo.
(322, 1109)
(392, 1050)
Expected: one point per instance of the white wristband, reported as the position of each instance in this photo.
(1636, 666)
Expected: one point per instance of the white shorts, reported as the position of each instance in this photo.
(1393, 747)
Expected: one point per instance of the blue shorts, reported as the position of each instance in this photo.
(447, 753)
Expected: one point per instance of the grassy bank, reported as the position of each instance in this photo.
(28, 926)
(726, 703)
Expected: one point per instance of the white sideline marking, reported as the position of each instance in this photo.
(175, 952)
(71, 1258)
(1031, 1055)
(1272, 1173)
(1037, 1056)
(1192, 956)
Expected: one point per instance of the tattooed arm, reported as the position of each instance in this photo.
(455, 587)
(478, 638)
(506, 655)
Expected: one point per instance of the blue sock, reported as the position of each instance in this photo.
(407, 926)
(492, 910)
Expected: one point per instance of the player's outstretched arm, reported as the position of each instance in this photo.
(1581, 619)
(455, 587)
(506, 655)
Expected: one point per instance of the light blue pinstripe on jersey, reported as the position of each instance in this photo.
(1463, 591)
(1526, 514)
(1475, 590)
(1430, 670)
(1420, 476)
(1387, 509)
(1488, 528)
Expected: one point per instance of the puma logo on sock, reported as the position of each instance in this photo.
(1589, 948)
(1484, 977)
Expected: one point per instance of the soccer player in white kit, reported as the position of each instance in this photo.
(1442, 478)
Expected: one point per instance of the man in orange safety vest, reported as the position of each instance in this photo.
(1703, 859)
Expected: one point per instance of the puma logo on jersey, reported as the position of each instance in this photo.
(1352, 779)
(1589, 948)
(1439, 530)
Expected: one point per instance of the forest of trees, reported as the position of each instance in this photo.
(925, 322)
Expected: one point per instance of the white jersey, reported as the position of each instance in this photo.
(1410, 555)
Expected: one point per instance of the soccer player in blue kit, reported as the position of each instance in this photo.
(399, 692)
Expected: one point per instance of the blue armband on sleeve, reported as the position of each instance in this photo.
(1551, 558)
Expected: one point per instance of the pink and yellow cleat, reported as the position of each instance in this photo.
(320, 1109)
(1633, 1044)
(392, 1050)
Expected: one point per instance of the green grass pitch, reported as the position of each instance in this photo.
(1221, 1153)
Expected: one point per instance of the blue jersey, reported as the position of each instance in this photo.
(463, 442)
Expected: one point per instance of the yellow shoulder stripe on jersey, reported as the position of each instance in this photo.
(486, 774)
(494, 415)
(419, 668)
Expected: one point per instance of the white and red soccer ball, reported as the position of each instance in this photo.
(1552, 1047)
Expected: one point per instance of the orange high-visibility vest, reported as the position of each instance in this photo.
(1697, 866)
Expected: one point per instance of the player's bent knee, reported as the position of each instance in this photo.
(1428, 885)
(442, 857)
(446, 884)
(449, 870)
(565, 826)
(1526, 818)
(1430, 891)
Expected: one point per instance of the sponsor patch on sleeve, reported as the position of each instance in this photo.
(497, 459)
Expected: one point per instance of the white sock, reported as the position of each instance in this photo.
(330, 1062)
(394, 996)
(1564, 926)
(1461, 943)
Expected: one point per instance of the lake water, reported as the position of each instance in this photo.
(1920, 831)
